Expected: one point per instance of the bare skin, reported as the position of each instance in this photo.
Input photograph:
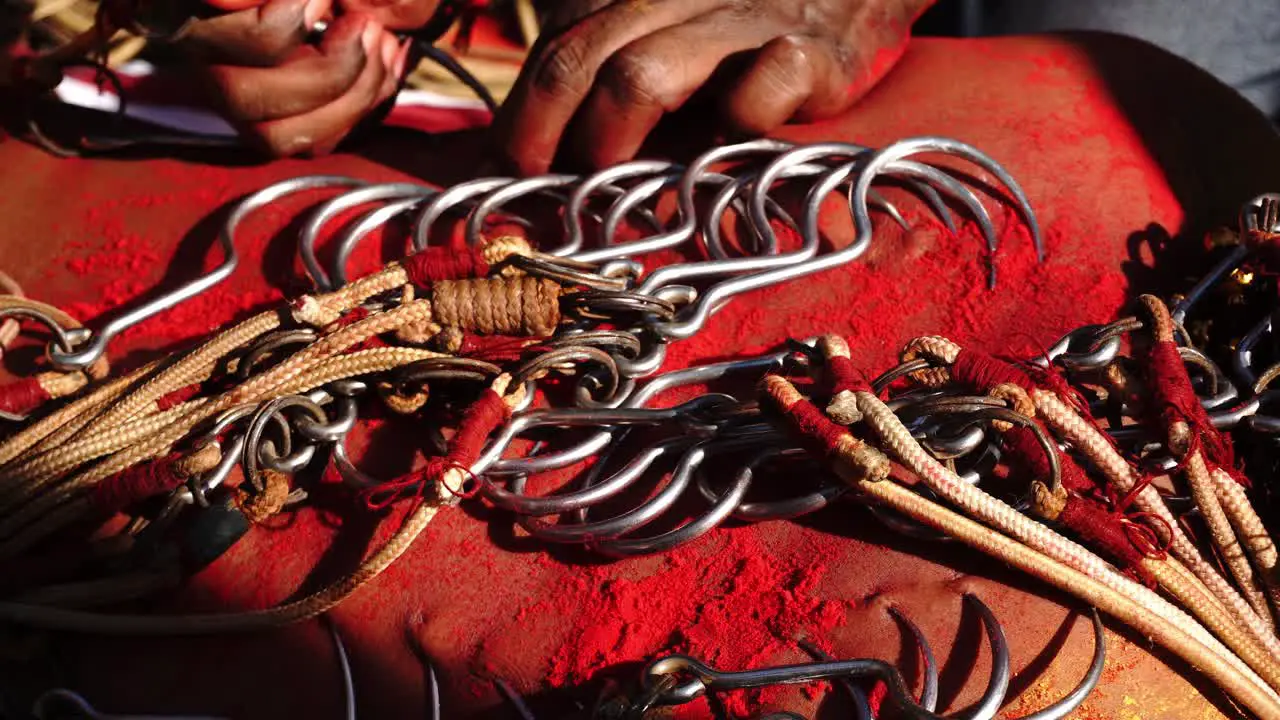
(608, 69)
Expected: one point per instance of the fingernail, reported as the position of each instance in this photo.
(370, 37)
(389, 50)
(312, 13)
(402, 58)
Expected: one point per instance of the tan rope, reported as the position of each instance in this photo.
(447, 491)
(1203, 488)
(1240, 683)
(1079, 432)
(1094, 445)
(46, 468)
(498, 306)
(1251, 529)
(1006, 519)
(51, 425)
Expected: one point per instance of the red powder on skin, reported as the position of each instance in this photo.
(125, 267)
(729, 599)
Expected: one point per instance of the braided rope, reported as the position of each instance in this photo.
(1005, 518)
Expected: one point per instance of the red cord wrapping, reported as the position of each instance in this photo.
(1104, 530)
(1107, 530)
(814, 427)
(984, 372)
(22, 396)
(442, 263)
(136, 484)
(177, 397)
(494, 348)
(1025, 450)
(875, 698)
(1175, 400)
(477, 424)
(846, 376)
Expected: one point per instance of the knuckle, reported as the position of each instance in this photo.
(281, 145)
(641, 77)
(790, 54)
(564, 69)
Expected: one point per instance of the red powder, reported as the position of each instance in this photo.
(735, 606)
(730, 599)
(126, 266)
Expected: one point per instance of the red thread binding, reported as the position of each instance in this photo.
(477, 424)
(1104, 531)
(876, 697)
(814, 427)
(984, 372)
(177, 397)
(1026, 452)
(494, 348)
(846, 376)
(135, 484)
(1117, 536)
(442, 263)
(1175, 400)
(22, 396)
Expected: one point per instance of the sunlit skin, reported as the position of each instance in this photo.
(608, 69)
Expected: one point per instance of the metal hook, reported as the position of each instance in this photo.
(96, 344)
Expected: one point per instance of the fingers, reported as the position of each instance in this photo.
(262, 35)
(394, 14)
(791, 76)
(320, 130)
(554, 84)
(651, 77)
(311, 78)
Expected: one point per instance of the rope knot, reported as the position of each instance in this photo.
(498, 306)
(450, 472)
(844, 378)
(939, 351)
(308, 310)
(499, 249)
(1048, 503)
(1018, 400)
(258, 507)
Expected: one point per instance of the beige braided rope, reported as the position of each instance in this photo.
(37, 507)
(447, 489)
(1006, 519)
(1205, 493)
(1250, 528)
(362, 362)
(1241, 684)
(293, 376)
(1203, 488)
(1202, 605)
(191, 368)
(1075, 429)
(54, 422)
(1098, 449)
(46, 468)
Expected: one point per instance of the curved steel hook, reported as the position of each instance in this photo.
(94, 347)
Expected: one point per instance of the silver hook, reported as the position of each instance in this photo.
(93, 348)
(362, 195)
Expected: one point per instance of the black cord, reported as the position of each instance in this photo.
(455, 68)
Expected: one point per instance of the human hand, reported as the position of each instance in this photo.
(610, 69)
(292, 97)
